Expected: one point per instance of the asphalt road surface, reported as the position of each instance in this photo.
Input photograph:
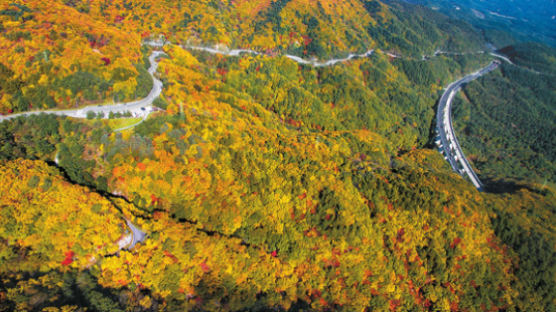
(446, 139)
(139, 108)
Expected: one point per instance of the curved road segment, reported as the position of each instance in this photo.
(138, 236)
(143, 107)
(297, 59)
(139, 108)
(446, 140)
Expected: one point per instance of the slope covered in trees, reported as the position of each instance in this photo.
(45, 217)
(503, 23)
(507, 119)
(55, 56)
(355, 233)
(263, 184)
(74, 53)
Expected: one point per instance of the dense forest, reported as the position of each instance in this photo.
(72, 53)
(264, 184)
(348, 237)
(503, 24)
(507, 120)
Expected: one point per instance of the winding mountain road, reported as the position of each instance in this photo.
(139, 108)
(137, 236)
(446, 139)
(143, 107)
(297, 59)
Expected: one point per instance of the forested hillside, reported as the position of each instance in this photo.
(263, 184)
(507, 120)
(503, 22)
(338, 229)
(73, 53)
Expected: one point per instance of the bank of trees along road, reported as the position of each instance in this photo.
(446, 139)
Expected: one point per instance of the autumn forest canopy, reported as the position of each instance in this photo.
(263, 183)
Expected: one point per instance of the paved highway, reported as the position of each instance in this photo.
(138, 236)
(446, 139)
(143, 107)
(313, 62)
(139, 108)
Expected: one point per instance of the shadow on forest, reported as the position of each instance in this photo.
(82, 289)
(506, 186)
(77, 288)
